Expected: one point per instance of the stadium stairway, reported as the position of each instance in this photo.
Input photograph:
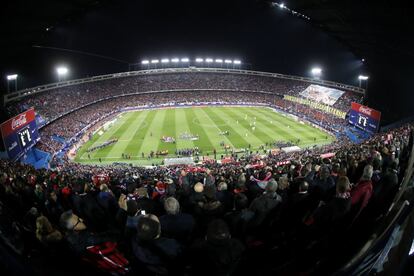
(37, 158)
(355, 135)
(58, 139)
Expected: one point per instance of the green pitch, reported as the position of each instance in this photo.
(141, 132)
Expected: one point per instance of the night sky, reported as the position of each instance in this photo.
(263, 37)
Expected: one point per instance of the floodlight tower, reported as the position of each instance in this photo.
(316, 72)
(228, 62)
(199, 61)
(175, 61)
(236, 63)
(62, 72)
(11, 78)
(209, 61)
(219, 61)
(145, 63)
(363, 78)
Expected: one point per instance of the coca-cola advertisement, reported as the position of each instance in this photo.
(364, 117)
(20, 134)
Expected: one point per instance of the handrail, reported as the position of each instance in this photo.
(41, 88)
(372, 242)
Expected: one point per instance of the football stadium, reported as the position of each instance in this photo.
(173, 140)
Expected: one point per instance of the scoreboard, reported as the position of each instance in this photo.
(20, 134)
(365, 118)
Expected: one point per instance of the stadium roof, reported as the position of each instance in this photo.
(368, 28)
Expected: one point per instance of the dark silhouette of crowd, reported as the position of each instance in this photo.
(211, 219)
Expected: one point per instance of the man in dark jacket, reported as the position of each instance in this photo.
(156, 254)
(264, 204)
(174, 224)
(239, 219)
(218, 253)
(327, 216)
(323, 186)
(224, 196)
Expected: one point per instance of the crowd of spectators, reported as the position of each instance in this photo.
(52, 103)
(213, 219)
(327, 120)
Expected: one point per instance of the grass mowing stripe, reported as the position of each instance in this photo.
(266, 126)
(126, 136)
(280, 123)
(151, 142)
(237, 134)
(99, 139)
(204, 143)
(262, 136)
(137, 138)
(295, 129)
(213, 128)
(109, 134)
(181, 126)
(302, 135)
(118, 133)
(168, 129)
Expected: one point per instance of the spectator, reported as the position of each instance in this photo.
(158, 255)
(362, 192)
(218, 253)
(264, 204)
(174, 224)
(79, 237)
(46, 233)
(224, 196)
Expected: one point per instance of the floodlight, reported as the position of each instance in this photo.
(12, 77)
(155, 61)
(219, 60)
(228, 61)
(62, 71)
(199, 60)
(185, 60)
(165, 60)
(316, 71)
(175, 60)
(362, 77)
(237, 62)
(145, 62)
(209, 60)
